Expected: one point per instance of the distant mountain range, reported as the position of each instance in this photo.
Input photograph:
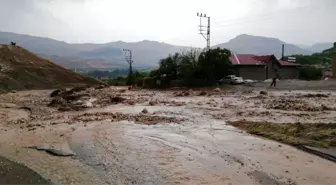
(317, 48)
(108, 55)
(248, 44)
(145, 53)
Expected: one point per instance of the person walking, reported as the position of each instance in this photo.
(276, 76)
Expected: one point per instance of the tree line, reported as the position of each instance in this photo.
(107, 74)
(207, 66)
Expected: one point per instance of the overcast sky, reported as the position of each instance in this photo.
(171, 21)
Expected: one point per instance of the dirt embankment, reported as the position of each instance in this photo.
(21, 70)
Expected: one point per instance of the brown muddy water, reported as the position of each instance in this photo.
(196, 147)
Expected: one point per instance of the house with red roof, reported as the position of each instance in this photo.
(263, 67)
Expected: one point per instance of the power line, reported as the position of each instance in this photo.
(129, 60)
(203, 32)
(238, 21)
(243, 22)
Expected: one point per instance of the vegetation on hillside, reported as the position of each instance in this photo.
(313, 65)
(323, 58)
(317, 58)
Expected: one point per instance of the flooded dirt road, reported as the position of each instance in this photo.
(179, 140)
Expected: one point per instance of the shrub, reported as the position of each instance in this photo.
(310, 73)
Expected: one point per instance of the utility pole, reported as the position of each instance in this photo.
(283, 52)
(205, 33)
(129, 60)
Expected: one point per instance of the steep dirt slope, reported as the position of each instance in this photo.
(21, 69)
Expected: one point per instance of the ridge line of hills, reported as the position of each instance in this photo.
(146, 53)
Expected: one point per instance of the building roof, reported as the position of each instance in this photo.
(286, 63)
(244, 59)
(248, 59)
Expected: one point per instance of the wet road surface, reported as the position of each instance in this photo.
(193, 153)
(200, 150)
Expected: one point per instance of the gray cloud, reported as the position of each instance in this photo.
(174, 21)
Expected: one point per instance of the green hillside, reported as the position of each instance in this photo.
(330, 51)
(324, 58)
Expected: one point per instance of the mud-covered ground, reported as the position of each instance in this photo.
(121, 136)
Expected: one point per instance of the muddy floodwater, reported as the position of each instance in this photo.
(163, 137)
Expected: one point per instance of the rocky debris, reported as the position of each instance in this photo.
(117, 99)
(64, 109)
(164, 102)
(247, 91)
(19, 121)
(203, 93)
(100, 116)
(57, 101)
(144, 111)
(111, 100)
(153, 120)
(55, 93)
(210, 94)
(153, 102)
(52, 151)
(263, 93)
(252, 114)
(75, 97)
(131, 102)
(295, 105)
(178, 104)
(32, 126)
(326, 108)
(100, 87)
(122, 90)
(188, 93)
(217, 89)
(139, 119)
(68, 102)
(27, 109)
(179, 94)
(78, 89)
(64, 93)
(184, 93)
(14, 91)
(316, 95)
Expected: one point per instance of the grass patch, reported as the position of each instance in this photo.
(316, 135)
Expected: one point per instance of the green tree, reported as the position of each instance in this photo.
(138, 74)
(154, 73)
(188, 64)
(169, 66)
(214, 64)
